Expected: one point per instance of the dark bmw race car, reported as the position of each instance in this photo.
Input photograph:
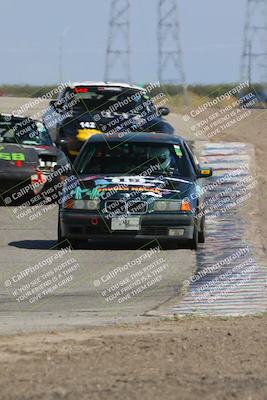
(84, 109)
(143, 186)
(29, 160)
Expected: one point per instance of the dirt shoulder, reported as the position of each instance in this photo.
(182, 359)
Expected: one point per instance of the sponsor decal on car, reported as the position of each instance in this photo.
(84, 134)
(178, 151)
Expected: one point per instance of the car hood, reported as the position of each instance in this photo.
(116, 187)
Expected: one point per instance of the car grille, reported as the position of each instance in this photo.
(137, 207)
(120, 207)
(154, 231)
(115, 207)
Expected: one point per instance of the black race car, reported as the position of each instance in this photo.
(143, 186)
(30, 162)
(84, 109)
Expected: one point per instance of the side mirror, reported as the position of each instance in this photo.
(164, 110)
(204, 172)
(54, 104)
(61, 142)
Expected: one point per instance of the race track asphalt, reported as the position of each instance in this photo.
(42, 288)
(79, 301)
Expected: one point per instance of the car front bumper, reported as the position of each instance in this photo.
(77, 224)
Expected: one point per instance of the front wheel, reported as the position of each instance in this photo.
(63, 242)
(193, 243)
(202, 232)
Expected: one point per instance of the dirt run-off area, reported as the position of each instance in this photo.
(181, 359)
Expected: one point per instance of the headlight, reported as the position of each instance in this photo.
(167, 205)
(85, 204)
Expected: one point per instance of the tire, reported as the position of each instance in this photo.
(63, 242)
(193, 243)
(202, 232)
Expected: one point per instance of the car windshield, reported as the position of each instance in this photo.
(111, 100)
(24, 131)
(135, 159)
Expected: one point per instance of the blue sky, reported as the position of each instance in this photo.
(211, 38)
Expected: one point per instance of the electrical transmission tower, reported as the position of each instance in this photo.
(169, 51)
(254, 56)
(118, 47)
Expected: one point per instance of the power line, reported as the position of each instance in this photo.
(254, 55)
(171, 68)
(118, 53)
